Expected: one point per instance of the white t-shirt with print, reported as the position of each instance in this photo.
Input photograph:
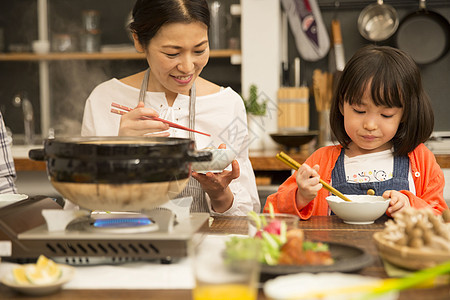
(373, 167)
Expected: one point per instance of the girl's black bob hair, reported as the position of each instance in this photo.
(394, 80)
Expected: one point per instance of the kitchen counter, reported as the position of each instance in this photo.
(327, 229)
(261, 161)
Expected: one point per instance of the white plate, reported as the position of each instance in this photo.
(43, 289)
(298, 285)
(7, 199)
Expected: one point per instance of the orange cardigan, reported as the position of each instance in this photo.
(428, 180)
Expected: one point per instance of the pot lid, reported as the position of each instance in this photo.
(117, 147)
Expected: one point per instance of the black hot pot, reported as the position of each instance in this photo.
(119, 173)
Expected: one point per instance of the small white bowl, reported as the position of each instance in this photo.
(221, 158)
(363, 209)
(40, 289)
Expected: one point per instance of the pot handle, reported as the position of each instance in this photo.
(36, 154)
(199, 156)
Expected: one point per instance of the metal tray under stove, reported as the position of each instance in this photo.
(78, 246)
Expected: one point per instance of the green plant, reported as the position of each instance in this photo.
(252, 106)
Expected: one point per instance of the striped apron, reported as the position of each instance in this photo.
(193, 188)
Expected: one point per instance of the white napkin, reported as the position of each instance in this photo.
(138, 275)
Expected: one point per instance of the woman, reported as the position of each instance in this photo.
(174, 36)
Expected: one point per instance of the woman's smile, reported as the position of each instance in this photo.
(182, 79)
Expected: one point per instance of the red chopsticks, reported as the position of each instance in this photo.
(125, 109)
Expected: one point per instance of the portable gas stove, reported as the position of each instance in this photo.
(151, 235)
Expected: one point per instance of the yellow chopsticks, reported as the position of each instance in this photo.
(295, 165)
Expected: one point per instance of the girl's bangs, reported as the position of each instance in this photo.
(384, 90)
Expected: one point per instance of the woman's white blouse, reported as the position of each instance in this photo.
(221, 114)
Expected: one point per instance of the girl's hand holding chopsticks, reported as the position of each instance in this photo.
(308, 182)
(139, 122)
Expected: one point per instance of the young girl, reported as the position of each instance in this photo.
(380, 115)
(173, 34)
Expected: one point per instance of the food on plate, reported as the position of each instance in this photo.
(44, 271)
(419, 229)
(280, 245)
(297, 251)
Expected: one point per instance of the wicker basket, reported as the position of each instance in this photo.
(407, 257)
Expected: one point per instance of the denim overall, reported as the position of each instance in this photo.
(398, 182)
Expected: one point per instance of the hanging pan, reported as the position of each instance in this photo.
(424, 34)
(378, 21)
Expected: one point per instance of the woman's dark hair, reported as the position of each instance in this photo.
(149, 15)
(394, 80)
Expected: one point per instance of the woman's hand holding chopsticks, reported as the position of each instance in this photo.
(139, 122)
(144, 114)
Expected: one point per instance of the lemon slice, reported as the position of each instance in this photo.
(49, 266)
(19, 275)
(42, 261)
(45, 271)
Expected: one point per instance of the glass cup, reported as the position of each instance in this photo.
(257, 223)
(91, 20)
(220, 277)
(90, 41)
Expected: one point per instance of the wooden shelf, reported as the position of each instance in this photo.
(97, 55)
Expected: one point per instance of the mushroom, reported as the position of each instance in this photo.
(419, 229)
(446, 215)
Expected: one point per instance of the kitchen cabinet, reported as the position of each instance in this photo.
(260, 41)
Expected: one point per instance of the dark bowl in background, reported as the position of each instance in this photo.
(293, 139)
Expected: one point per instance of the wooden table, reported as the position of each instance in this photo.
(329, 229)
